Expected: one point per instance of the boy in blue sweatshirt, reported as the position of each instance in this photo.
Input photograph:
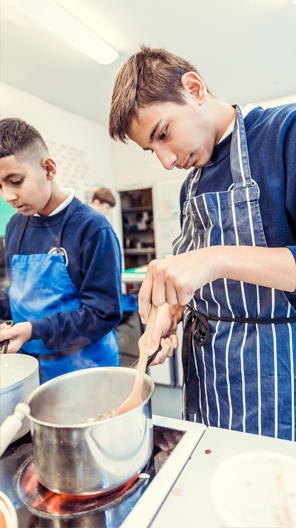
(63, 261)
(232, 278)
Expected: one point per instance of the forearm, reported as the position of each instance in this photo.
(270, 267)
(174, 280)
(75, 328)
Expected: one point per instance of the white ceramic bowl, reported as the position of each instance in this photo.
(19, 376)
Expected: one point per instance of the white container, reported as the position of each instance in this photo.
(7, 512)
(19, 376)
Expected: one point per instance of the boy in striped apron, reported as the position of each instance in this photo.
(232, 278)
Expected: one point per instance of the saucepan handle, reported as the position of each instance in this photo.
(12, 425)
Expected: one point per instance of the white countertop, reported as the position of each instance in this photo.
(134, 274)
(191, 502)
(132, 277)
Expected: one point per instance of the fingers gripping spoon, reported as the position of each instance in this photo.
(135, 398)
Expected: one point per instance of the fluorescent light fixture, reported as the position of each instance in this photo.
(59, 20)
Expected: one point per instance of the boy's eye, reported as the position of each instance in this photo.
(17, 182)
(163, 134)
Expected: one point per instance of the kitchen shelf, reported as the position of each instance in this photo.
(138, 209)
(139, 251)
(132, 230)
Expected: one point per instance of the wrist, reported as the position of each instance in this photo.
(176, 312)
(29, 331)
(215, 256)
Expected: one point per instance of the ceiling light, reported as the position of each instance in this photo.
(58, 19)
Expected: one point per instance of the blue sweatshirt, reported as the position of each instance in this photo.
(271, 138)
(94, 267)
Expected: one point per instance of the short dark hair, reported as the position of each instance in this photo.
(18, 138)
(104, 196)
(152, 75)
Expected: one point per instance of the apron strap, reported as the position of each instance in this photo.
(69, 211)
(55, 355)
(239, 157)
(200, 331)
(193, 183)
(190, 380)
(25, 220)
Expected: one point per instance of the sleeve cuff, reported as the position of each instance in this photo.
(293, 250)
(41, 330)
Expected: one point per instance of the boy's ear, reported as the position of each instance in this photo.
(194, 85)
(49, 166)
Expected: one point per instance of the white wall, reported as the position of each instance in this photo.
(277, 102)
(81, 148)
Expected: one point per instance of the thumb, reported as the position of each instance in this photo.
(153, 345)
(5, 333)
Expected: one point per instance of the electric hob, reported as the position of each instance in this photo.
(137, 501)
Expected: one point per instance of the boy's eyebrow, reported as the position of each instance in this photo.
(153, 131)
(10, 176)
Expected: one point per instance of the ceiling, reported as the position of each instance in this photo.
(244, 49)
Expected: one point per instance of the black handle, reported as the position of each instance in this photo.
(150, 359)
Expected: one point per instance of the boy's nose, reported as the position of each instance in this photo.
(8, 195)
(166, 157)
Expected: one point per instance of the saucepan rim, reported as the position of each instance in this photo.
(87, 424)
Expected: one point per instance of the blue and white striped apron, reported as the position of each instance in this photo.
(239, 373)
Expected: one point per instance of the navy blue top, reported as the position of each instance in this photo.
(94, 267)
(271, 138)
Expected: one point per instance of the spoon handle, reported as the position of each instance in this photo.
(146, 344)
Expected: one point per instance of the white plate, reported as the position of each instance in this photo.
(256, 489)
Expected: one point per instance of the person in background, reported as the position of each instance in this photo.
(63, 261)
(103, 201)
(232, 278)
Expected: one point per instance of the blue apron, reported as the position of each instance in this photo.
(239, 339)
(40, 286)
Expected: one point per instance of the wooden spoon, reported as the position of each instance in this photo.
(135, 398)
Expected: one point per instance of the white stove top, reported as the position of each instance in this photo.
(144, 511)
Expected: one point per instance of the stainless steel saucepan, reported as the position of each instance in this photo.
(73, 453)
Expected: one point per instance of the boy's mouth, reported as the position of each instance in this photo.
(19, 208)
(188, 163)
